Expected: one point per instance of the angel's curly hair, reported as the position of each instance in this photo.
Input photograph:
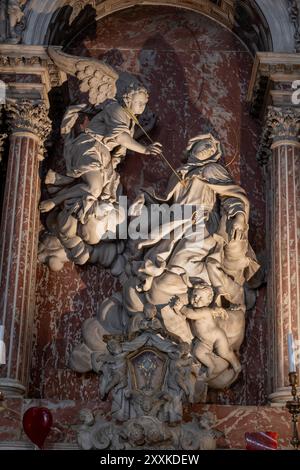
(132, 89)
(200, 284)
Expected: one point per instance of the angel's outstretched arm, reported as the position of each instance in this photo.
(127, 141)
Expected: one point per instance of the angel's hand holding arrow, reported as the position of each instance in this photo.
(154, 149)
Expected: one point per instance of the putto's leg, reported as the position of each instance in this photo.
(204, 356)
(224, 351)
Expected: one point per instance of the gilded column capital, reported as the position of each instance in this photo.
(29, 117)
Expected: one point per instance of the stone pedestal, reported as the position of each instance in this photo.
(29, 125)
(284, 248)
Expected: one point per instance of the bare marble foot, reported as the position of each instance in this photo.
(50, 177)
(46, 206)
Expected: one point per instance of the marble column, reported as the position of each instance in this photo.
(29, 126)
(283, 196)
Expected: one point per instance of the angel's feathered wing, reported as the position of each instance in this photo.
(96, 77)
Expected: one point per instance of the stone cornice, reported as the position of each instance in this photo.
(272, 76)
(31, 60)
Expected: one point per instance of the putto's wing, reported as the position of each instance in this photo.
(96, 77)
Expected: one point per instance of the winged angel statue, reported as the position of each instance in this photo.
(83, 201)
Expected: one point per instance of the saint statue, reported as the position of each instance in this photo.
(214, 245)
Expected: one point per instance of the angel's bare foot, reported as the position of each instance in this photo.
(46, 206)
(50, 177)
(57, 179)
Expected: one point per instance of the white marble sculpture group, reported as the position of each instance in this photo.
(178, 324)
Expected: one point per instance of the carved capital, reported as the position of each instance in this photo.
(281, 125)
(284, 123)
(29, 117)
